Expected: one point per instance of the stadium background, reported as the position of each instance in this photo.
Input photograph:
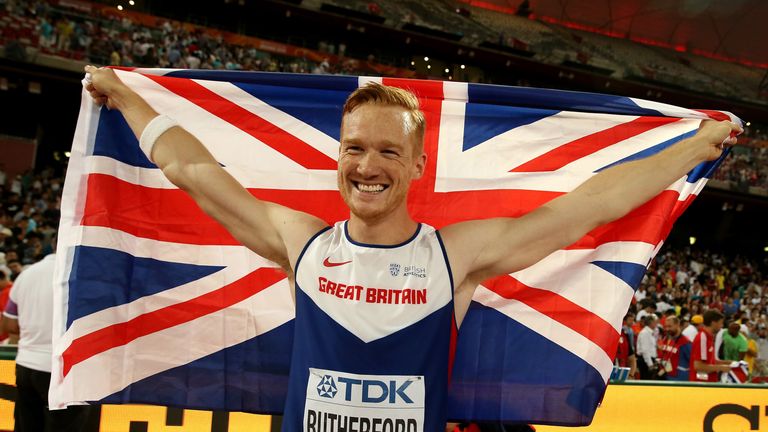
(694, 53)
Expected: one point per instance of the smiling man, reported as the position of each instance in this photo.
(377, 296)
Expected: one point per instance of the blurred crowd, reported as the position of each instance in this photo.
(119, 41)
(682, 293)
(680, 288)
(29, 217)
(745, 168)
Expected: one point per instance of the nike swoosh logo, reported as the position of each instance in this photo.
(328, 263)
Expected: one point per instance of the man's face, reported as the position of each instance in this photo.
(733, 329)
(15, 267)
(717, 325)
(377, 161)
(672, 328)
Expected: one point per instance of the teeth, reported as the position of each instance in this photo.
(370, 188)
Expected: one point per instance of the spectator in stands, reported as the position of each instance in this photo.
(646, 348)
(674, 352)
(649, 308)
(734, 343)
(704, 366)
(693, 328)
(730, 308)
(15, 266)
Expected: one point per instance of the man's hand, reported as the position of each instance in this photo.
(104, 86)
(717, 135)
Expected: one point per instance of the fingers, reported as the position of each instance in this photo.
(98, 97)
(734, 127)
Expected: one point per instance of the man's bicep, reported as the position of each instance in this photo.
(269, 229)
(512, 244)
(294, 228)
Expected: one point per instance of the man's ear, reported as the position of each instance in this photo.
(421, 163)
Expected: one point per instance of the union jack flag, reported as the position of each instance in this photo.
(159, 304)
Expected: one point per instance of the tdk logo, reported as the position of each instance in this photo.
(327, 388)
(366, 390)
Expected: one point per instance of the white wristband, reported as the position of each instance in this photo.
(158, 126)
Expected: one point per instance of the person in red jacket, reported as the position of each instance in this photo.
(674, 352)
(704, 365)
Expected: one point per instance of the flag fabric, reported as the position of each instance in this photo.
(159, 304)
(739, 373)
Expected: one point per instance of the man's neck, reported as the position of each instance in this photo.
(387, 231)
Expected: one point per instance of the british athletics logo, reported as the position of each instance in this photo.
(150, 286)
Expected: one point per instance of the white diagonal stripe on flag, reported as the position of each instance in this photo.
(96, 378)
(549, 328)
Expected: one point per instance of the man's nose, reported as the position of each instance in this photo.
(367, 166)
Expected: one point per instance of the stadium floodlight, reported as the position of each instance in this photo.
(119, 7)
(131, 2)
(426, 58)
(429, 66)
(446, 70)
(692, 240)
(463, 67)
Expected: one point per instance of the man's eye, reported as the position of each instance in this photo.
(391, 153)
(354, 150)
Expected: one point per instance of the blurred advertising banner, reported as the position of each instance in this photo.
(634, 406)
(656, 406)
(141, 418)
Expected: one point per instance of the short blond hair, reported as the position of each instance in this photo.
(375, 93)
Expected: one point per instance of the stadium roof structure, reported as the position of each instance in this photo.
(730, 30)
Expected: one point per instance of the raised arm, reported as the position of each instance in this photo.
(271, 230)
(482, 249)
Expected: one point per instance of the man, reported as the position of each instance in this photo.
(625, 353)
(761, 362)
(748, 331)
(646, 348)
(734, 343)
(674, 352)
(16, 268)
(5, 292)
(29, 313)
(692, 330)
(705, 367)
(649, 308)
(380, 154)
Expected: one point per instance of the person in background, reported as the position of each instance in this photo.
(761, 362)
(751, 354)
(674, 352)
(693, 328)
(625, 356)
(5, 292)
(646, 348)
(734, 343)
(29, 313)
(704, 365)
